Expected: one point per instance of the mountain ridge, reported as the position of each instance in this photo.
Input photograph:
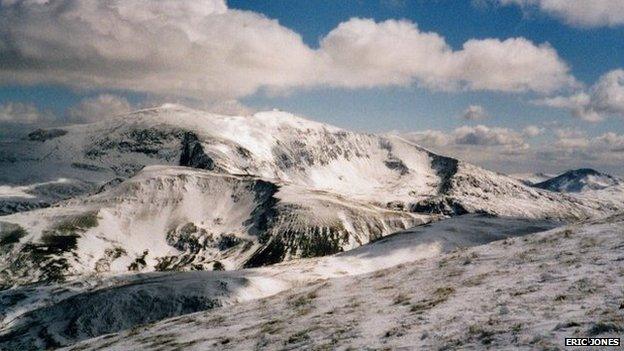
(283, 187)
(579, 180)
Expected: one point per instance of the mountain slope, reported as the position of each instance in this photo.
(178, 218)
(281, 148)
(272, 145)
(498, 296)
(61, 314)
(251, 191)
(39, 195)
(579, 180)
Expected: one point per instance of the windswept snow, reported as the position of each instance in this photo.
(69, 312)
(525, 292)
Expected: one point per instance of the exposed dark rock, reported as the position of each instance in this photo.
(86, 167)
(445, 168)
(150, 141)
(218, 266)
(45, 134)
(10, 233)
(439, 205)
(265, 212)
(139, 262)
(186, 238)
(397, 165)
(272, 252)
(110, 184)
(193, 154)
(228, 241)
(10, 206)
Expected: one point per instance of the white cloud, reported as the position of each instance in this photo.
(576, 140)
(511, 65)
(193, 48)
(505, 150)
(604, 99)
(570, 139)
(611, 141)
(582, 13)
(475, 113)
(20, 113)
(488, 136)
(469, 136)
(608, 93)
(532, 131)
(568, 133)
(572, 143)
(98, 108)
(495, 148)
(362, 53)
(202, 49)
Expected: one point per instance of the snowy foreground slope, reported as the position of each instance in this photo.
(42, 315)
(525, 292)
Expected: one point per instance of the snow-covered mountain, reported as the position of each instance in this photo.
(275, 146)
(172, 188)
(178, 218)
(579, 180)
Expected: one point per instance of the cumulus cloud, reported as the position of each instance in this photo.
(575, 149)
(604, 99)
(202, 49)
(487, 136)
(496, 148)
(97, 108)
(363, 53)
(583, 13)
(479, 135)
(532, 131)
(572, 140)
(21, 113)
(505, 149)
(475, 113)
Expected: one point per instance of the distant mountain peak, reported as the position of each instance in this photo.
(579, 180)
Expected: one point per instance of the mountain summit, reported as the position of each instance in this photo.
(172, 188)
(579, 180)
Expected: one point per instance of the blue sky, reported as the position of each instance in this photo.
(78, 80)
